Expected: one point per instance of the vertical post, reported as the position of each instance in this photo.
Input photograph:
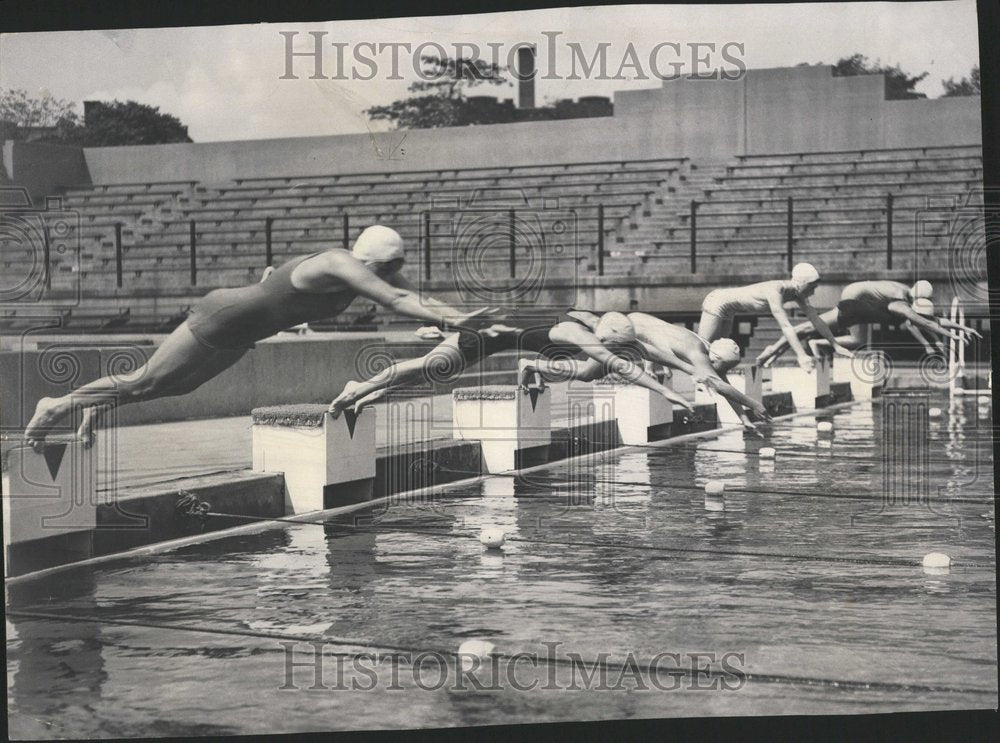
(512, 242)
(791, 223)
(194, 254)
(888, 230)
(600, 239)
(347, 232)
(427, 245)
(47, 257)
(694, 236)
(268, 252)
(118, 255)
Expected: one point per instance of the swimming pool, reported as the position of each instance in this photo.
(625, 592)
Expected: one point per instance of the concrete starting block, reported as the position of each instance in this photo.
(749, 380)
(682, 384)
(514, 427)
(866, 375)
(316, 452)
(642, 415)
(49, 506)
(810, 390)
(579, 402)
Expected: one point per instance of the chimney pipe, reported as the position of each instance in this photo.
(526, 73)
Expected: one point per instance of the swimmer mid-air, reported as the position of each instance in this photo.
(577, 345)
(226, 323)
(679, 348)
(866, 302)
(721, 306)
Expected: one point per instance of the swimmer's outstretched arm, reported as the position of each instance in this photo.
(905, 311)
(663, 354)
(821, 327)
(586, 341)
(946, 323)
(361, 280)
(705, 374)
(735, 398)
(772, 352)
(787, 329)
(920, 338)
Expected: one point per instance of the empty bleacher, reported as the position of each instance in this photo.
(840, 210)
(487, 223)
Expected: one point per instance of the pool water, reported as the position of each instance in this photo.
(629, 594)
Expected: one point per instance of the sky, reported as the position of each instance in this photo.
(225, 82)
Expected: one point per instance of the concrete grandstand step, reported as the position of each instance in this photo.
(866, 155)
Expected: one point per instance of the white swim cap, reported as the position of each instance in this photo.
(614, 327)
(805, 273)
(923, 289)
(378, 244)
(923, 306)
(725, 350)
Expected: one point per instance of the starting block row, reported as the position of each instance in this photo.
(49, 505)
(514, 427)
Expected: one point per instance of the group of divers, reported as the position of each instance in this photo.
(576, 345)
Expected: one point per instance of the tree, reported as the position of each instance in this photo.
(440, 96)
(898, 84)
(116, 124)
(965, 86)
(23, 113)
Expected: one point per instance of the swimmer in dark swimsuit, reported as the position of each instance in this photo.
(866, 302)
(574, 345)
(226, 323)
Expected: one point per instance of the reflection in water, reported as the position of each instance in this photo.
(55, 668)
(636, 565)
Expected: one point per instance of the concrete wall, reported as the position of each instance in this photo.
(276, 372)
(767, 111)
(775, 110)
(41, 168)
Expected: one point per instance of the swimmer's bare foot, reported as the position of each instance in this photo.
(87, 430)
(345, 399)
(368, 399)
(48, 412)
(528, 376)
(766, 357)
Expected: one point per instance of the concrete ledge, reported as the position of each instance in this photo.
(839, 392)
(425, 464)
(149, 514)
(780, 403)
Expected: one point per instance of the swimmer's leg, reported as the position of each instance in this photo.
(213, 366)
(711, 327)
(804, 331)
(560, 370)
(180, 357)
(445, 362)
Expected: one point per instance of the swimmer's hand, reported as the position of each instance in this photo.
(498, 329)
(806, 363)
(460, 320)
(750, 427)
(267, 272)
(428, 333)
(843, 351)
(688, 406)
